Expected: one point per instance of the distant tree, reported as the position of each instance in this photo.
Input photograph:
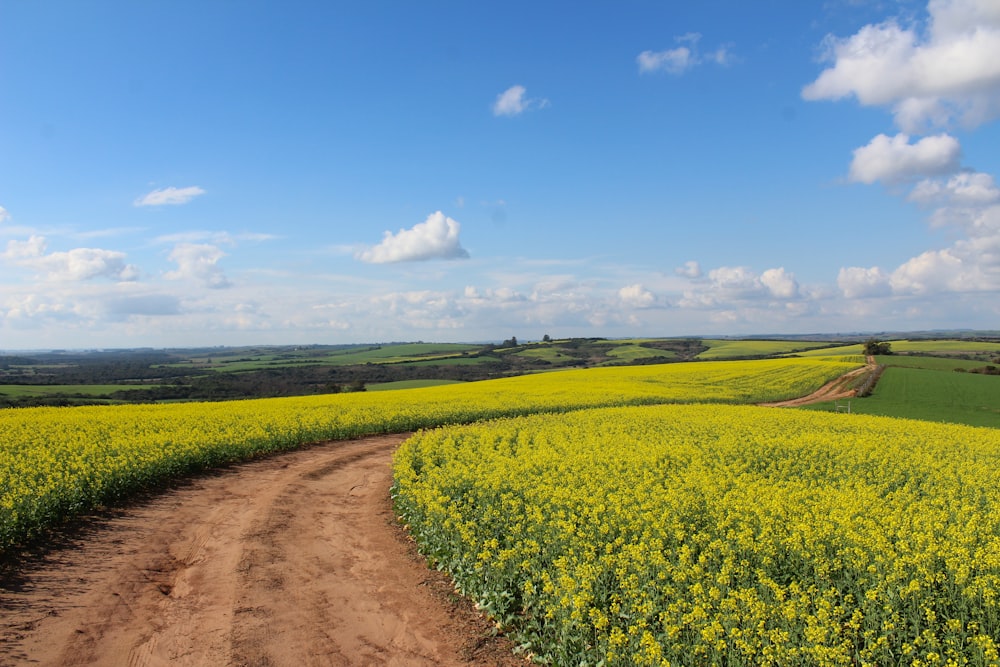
(510, 342)
(874, 346)
(546, 339)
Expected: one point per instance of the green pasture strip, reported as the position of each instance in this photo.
(946, 347)
(33, 390)
(834, 351)
(722, 349)
(409, 384)
(930, 363)
(242, 360)
(554, 355)
(58, 462)
(400, 353)
(450, 361)
(931, 395)
(633, 351)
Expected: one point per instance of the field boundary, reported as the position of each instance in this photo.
(838, 388)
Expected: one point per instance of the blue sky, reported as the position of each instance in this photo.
(224, 173)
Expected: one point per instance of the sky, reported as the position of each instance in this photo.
(187, 173)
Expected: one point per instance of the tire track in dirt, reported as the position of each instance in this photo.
(836, 389)
(292, 560)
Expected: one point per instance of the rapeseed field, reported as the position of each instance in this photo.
(717, 534)
(58, 462)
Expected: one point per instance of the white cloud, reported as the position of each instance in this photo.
(170, 195)
(690, 269)
(500, 295)
(435, 238)
(729, 285)
(931, 271)
(857, 282)
(4, 215)
(738, 281)
(968, 188)
(682, 58)
(895, 159)
(929, 78)
(514, 101)
(73, 265)
(673, 61)
(21, 250)
(87, 263)
(636, 296)
(780, 283)
(198, 262)
(967, 266)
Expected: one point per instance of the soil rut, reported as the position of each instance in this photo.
(836, 389)
(292, 560)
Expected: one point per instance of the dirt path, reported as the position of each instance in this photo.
(834, 390)
(292, 560)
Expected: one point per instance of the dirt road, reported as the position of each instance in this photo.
(837, 389)
(291, 560)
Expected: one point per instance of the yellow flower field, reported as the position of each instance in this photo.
(718, 535)
(57, 462)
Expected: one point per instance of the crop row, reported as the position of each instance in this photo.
(58, 462)
(717, 535)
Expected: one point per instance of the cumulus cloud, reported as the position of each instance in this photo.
(931, 271)
(4, 215)
(198, 262)
(435, 238)
(780, 283)
(77, 264)
(636, 296)
(169, 196)
(22, 250)
(931, 74)
(736, 284)
(500, 295)
(681, 59)
(929, 78)
(514, 101)
(690, 269)
(673, 61)
(965, 189)
(857, 282)
(895, 159)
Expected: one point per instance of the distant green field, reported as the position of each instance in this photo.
(406, 351)
(723, 349)
(932, 395)
(930, 363)
(628, 351)
(551, 354)
(945, 347)
(32, 390)
(242, 360)
(835, 351)
(409, 384)
(449, 361)
(903, 348)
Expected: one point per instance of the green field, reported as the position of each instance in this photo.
(930, 363)
(628, 351)
(728, 349)
(90, 390)
(947, 347)
(931, 395)
(258, 359)
(409, 384)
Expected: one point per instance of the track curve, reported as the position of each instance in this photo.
(291, 560)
